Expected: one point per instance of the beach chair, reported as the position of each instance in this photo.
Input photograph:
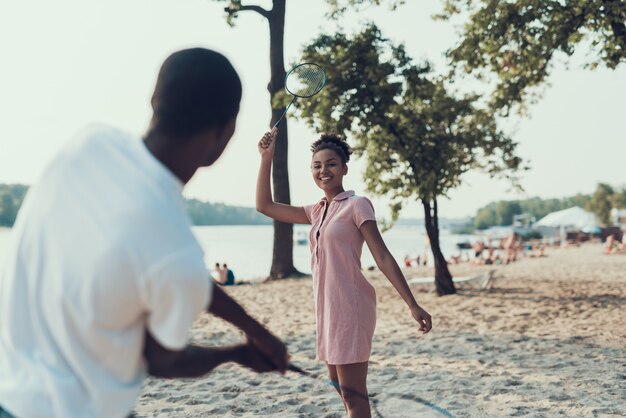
(485, 281)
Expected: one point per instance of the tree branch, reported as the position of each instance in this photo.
(254, 8)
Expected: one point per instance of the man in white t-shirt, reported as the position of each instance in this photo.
(103, 277)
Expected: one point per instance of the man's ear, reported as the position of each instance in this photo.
(345, 169)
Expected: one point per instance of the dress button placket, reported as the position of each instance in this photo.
(319, 232)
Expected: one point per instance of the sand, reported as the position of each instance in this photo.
(548, 340)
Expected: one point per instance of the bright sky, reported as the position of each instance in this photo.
(68, 63)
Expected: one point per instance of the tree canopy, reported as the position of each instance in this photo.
(518, 41)
(417, 137)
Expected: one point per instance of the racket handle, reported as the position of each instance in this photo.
(284, 113)
(292, 367)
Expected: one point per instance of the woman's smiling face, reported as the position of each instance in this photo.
(328, 169)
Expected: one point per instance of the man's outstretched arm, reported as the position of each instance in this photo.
(269, 345)
(263, 352)
(195, 361)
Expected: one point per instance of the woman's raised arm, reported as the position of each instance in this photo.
(264, 200)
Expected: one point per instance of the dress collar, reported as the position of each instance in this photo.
(341, 196)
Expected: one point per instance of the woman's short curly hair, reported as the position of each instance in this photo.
(333, 142)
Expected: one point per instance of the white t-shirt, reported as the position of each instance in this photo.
(102, 249)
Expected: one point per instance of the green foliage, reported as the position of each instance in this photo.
(618, 199)
(201, 213)
(232, 8)
(204, 213)
(486, 217)
(517, 41)
(11, 198)
(505, 212)
(600, 203)
(339, 7)
(417, 137)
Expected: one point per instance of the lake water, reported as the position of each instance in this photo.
(248, 249)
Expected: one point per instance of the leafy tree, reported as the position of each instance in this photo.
(601, 204)
(579, 200)
(618, 199)
(11, 197)
(486, 217)
(282, 259)
(337, 8)
(517, 41)
(506, 210)
(418, 139)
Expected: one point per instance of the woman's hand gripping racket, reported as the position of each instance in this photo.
(304, 80)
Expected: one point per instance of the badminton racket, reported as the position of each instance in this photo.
(302, 81)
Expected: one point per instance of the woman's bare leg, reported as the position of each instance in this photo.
(353, 381)
(332, 373)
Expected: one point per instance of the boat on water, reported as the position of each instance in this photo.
(465, 245)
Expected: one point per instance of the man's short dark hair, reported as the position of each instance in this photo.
(196, 89)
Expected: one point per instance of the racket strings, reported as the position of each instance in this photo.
(305, 80)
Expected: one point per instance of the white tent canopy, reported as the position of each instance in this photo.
(575, 217)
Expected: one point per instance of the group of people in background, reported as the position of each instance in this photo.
(223, 275)
(502, 251)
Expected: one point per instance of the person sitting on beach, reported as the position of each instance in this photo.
(478, 247)
(225, 276)
(614, 245)
(220, 274)
(611, 244)
(538, 249)
(104, 275)
(230, 276)
(345, 302)
(407, 261)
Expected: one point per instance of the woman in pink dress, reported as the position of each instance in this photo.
(345, 302)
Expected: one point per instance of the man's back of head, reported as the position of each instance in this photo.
(196, 89)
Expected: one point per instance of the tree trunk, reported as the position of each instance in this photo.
(282, 256)
(443, 278)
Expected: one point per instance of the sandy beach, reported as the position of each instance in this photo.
(548, 340)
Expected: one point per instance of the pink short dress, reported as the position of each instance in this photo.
(345, 302)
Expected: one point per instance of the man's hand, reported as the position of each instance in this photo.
(250, 357)
(273, 349)
(258, 336)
